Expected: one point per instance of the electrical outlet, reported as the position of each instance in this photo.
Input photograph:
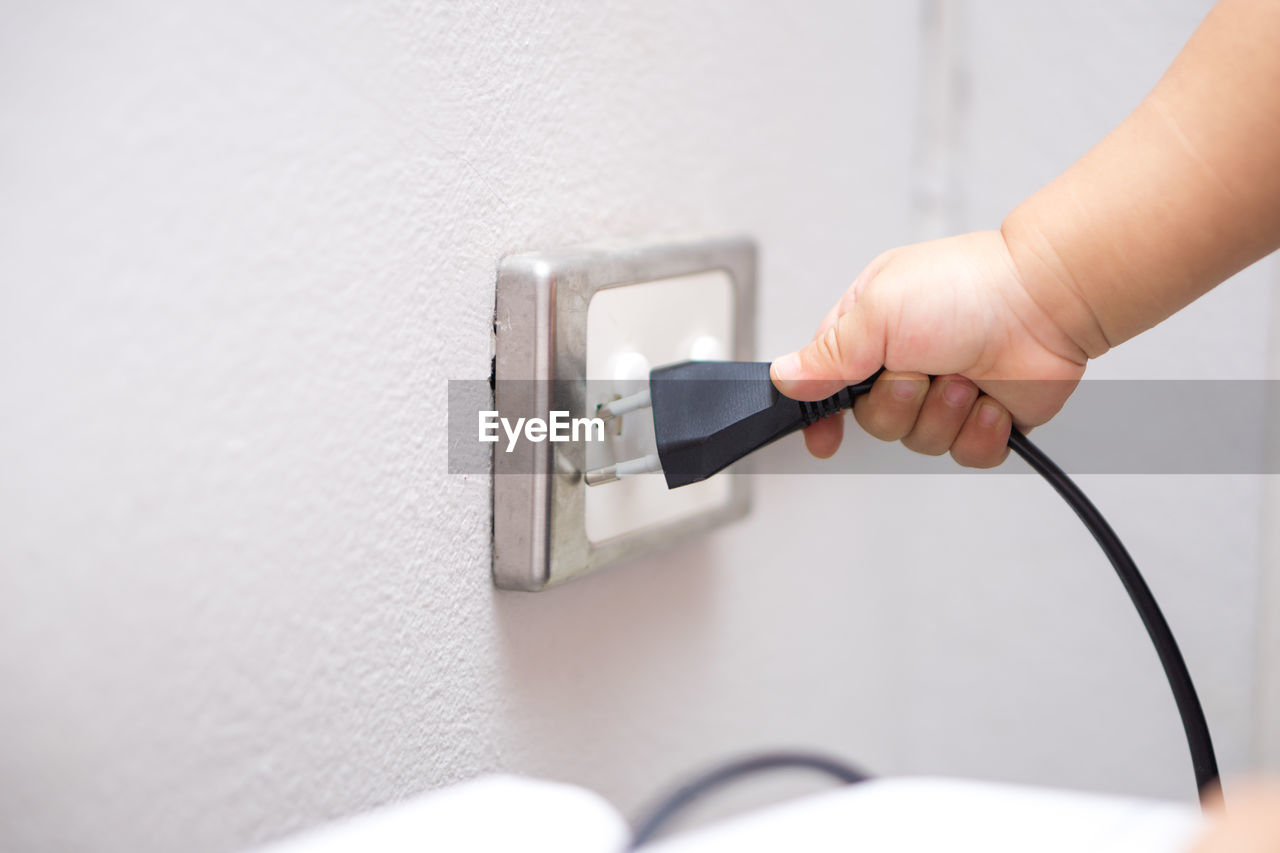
(583, 326)
(630, 330)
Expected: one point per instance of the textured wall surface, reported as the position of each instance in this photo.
(243, 247)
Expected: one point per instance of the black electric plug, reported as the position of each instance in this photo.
(709, 414)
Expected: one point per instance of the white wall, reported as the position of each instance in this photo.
(242, 249)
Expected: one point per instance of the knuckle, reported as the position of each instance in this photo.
(876, 268)
(828, 350)
(971, 454)
(965, 453)
(987, 460)
(875, 421)
(895, 425)
(897, 432)
(927, 446)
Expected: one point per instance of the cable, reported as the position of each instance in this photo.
(708, 415)
(681, 798)
(1194, 724)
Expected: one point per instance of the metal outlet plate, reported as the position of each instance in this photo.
(540, 334)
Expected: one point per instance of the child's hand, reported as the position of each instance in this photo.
(1185, 192)
(957, 309)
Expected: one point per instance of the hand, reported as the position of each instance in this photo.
(960, 310)
(1250, 824)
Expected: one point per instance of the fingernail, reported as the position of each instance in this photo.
(787, 368)
(958, 394)
(905, 389)
(988, 414)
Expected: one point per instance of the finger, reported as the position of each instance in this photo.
(827, 322)
(1032, 401)
(850, 297)
(850, 350)
(983, 441)
(889, 410)
(946, 408)
(823, 437)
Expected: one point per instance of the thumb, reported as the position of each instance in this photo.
(848, 351)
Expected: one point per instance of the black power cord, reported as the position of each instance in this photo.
(683, 797)
(1194, 725)
(708, 415)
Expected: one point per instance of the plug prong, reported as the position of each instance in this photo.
(600, 476)
(618, 470)
(619, 407)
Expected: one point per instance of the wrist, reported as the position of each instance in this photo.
(1045, 273)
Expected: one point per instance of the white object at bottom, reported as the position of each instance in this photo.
(904, 815)
(908, 815)
(485, 815)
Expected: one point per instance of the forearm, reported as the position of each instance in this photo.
(1184, 193)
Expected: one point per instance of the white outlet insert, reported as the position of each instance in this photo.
(575, 328)
(631, 329)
